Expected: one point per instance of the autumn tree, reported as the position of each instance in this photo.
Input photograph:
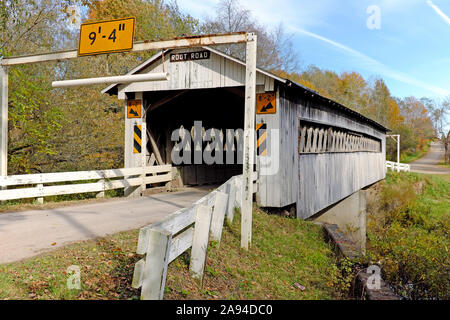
(27, 27)
(77, 128)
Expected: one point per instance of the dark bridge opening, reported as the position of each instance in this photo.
(221, 109)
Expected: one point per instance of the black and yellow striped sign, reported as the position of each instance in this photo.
(261, 144)
(137, 147)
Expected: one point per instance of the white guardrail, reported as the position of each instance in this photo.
(21, 186)
(397, 166)
(164, 241)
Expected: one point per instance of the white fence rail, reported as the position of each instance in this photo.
(164, 241)
(36, 185)
(397, 166)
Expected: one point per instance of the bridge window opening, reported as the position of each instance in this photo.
(217, 114)
(317, 138)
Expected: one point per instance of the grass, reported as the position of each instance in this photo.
(408, 232)
(445, 165)
(106, 267)
(284, 252)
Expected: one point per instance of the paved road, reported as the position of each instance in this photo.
(429, 162)
(28, 233)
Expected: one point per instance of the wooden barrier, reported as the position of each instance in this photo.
(397, 166)
(164, 241)
(106, 180)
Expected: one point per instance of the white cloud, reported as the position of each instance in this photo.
(373, 65)
(439, 11)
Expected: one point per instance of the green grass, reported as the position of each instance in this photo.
(106, 271)
(284, 251)
(408, 231)
(445, 165)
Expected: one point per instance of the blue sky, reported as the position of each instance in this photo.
(410, 51)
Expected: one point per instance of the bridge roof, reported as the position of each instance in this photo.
(113, 88)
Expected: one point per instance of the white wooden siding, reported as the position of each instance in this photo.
(215, 72)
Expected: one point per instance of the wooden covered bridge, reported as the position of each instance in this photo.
(320, 152)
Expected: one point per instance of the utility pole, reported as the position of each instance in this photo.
(249, 142)
(3, 121)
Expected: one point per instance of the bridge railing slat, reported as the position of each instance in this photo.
(131, 177)
(185, 229)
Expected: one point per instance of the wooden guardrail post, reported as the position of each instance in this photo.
(200, 241)
(156, 263)
(186, 228)
(218, 215)
(40, 200)
(231, 189)
(101, 194)
(144, 155)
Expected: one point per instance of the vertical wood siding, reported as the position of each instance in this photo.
(215, 72)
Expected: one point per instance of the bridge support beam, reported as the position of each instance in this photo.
(350, 216)
(132, 159)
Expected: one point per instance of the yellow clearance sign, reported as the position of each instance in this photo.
(106, 36)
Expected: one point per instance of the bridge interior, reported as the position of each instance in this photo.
(217, 108)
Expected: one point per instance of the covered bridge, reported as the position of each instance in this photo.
(319, 151)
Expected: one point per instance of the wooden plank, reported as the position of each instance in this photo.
(181, 243)
(218, 215)
(101, 186)
(231, 200)
(72, 176)
(183, 218)
(154, 147)
(174, 223)
(156, 263)
(44, 178)
(138, 274)
(161, 178)
(200, 241)
(36, 192)
(124, 183)
(238, 183)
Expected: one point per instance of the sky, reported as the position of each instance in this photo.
(406, 42)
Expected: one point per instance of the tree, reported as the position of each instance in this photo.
(275, 48)
(71, 129)
(438, 112)
(28, 27)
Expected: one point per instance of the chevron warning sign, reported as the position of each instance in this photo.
(261, 143)
(137, 146)
(134, 109)
(266, 103)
